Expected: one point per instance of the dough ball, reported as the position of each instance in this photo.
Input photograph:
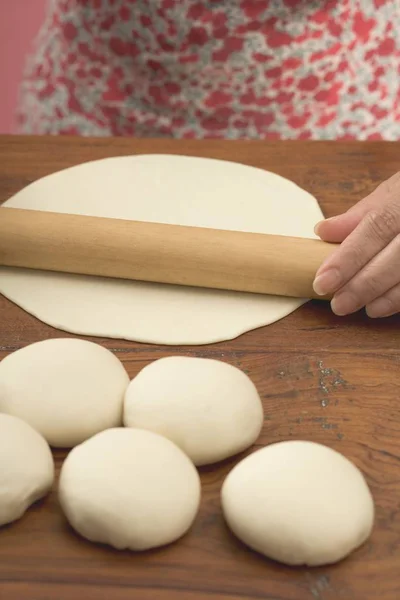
(26, 468)
(67, 389)
(129, 488)
(298, 502)
(210, 409)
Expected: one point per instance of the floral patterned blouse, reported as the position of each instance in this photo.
(290, 69)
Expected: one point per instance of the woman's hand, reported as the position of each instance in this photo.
(365, 269)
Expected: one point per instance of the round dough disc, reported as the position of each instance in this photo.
(300, 503)
(166, 189)
(26, 468)
(142, 492)
(67, 389)
(210, 409)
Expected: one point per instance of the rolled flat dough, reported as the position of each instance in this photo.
(165, 189)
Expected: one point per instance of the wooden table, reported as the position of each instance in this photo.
(323, 378)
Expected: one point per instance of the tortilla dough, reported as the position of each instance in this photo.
(67, 389)
(166, 189)
(129, 488)
(26, 468)
(300, 503)
(210, 409)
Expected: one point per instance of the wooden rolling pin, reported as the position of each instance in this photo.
(190, 256)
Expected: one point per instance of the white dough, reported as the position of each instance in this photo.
(210, 409)
(298, 502)
(26, 468)
(166, 189)
(67, 389)
(129, 488)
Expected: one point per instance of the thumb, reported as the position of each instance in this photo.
(336, 229)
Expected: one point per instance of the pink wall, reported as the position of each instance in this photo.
(19, 22)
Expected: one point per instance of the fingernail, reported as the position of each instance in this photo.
(327, 283)
(382, 307)
(318, 225)
(343, 304)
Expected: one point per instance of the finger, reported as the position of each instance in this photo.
(336, 229)
(375, 231)
(385, 306)
(380, 275)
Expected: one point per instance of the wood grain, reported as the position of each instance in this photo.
(323, 378)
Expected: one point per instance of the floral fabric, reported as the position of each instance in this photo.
(290, 69)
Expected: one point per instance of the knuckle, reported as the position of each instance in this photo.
(372, 286)
(392, 304)
(383, 224)
(355, 256)
(364, 289)
(392, 184)
(393, 298)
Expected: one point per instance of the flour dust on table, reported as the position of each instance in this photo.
(167, 189)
